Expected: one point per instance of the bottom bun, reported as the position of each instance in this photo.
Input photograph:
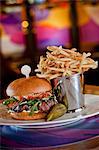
(26, 116)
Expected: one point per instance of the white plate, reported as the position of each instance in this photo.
(91, 109)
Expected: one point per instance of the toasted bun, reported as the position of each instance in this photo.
(26, 86)
(26, 116)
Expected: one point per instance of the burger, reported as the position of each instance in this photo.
(30, 98)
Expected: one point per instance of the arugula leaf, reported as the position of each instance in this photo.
(34, 108)
(32, 102)
(10, 100)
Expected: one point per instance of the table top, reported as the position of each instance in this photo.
(91, 89)
(92, 143)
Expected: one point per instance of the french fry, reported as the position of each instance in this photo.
(63, 62)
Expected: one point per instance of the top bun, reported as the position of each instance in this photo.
(26, 86)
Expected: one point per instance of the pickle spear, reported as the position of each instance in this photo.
(57, 111)
(65, 101)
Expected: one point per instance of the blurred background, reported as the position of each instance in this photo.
(27, 27)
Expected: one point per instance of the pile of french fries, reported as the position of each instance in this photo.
(63, 62)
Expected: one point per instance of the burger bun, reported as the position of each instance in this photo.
(27, 116)
(26, 86)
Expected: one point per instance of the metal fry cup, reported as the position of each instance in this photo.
(69, 90)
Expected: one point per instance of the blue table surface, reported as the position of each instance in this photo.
(13, 138)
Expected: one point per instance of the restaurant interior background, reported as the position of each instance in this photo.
(27, 27)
